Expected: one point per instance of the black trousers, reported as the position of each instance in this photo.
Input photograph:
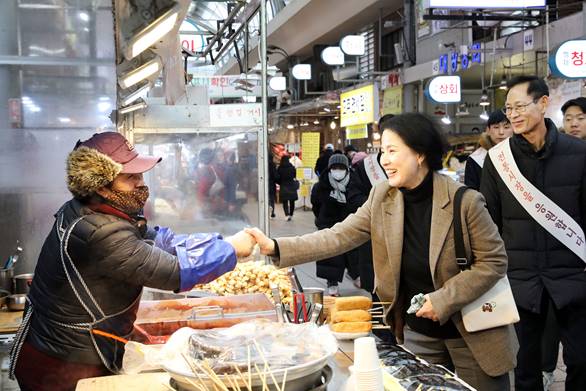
(530, 331)
(288, 207)
(551, 341)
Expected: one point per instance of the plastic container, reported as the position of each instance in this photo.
(157, 320)
(367, 380)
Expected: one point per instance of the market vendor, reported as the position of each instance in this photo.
(94, 263)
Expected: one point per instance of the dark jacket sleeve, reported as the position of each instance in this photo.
(472, 174)
(315, 200)
(358, 188)
(490, 191)
(124, 256)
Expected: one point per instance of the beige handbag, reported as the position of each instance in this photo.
(495, 307)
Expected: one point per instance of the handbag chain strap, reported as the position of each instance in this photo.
(462, 259)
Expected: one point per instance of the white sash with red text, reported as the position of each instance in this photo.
(543, 210)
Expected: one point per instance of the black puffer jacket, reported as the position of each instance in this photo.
(537, 260)
(115, 263)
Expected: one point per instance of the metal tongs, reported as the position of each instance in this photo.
(282, 316)
(295, 284)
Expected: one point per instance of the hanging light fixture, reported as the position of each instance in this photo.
(128, 109)
(144, 71)
(290, 126)
(333, 125)
(484, 98)
(138, 93)
(484, 116)
(316, 122)
(152, 33)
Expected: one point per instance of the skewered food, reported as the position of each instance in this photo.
(353, 303)
(252, 277)
(351, 316)
(351, 327)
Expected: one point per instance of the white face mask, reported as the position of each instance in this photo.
(338, 174)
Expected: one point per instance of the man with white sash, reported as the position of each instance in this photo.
(535, 188)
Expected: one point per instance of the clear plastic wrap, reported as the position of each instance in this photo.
(257, 342)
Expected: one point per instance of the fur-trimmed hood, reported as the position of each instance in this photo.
(485, 142)
(88, 170)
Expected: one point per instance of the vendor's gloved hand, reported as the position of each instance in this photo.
(243, 244)
(203, 258)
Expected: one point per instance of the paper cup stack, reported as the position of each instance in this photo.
(366, 371)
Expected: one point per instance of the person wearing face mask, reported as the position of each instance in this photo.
(409, 219)
(498, 128)
(330, 206)
(94, 263)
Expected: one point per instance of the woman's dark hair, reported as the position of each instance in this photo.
(578, 102)
(421, 134)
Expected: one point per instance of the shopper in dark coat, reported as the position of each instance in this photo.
(330, 206)
(321, 163)
(288, 186)
(542, 269)
(358, 190)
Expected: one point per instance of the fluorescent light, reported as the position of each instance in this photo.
(316, 122)
(34, 109)
(128, 109)
(140, 92)
(152, 33)
(484, 116)
(290, 126)
(446, 120)
(141, 73)
(64, 120)
(327, 109)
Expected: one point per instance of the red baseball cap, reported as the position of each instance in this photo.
(116, 146)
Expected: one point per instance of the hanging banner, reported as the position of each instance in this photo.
(393, 100)
(310, 148)
(357, 132)
(358, 106)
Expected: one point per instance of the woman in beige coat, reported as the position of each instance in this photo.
(409, 220)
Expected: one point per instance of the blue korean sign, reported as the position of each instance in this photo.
(448, 63)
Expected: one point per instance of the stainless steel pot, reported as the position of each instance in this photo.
(22, 283)
(6, 279)
(16, 302)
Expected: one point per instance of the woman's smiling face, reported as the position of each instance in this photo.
(402, 164)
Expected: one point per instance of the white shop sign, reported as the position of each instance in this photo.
(333, 55)
(568, 60)
(444, 89)
(302, 71)
(238, 115)
(353, 45)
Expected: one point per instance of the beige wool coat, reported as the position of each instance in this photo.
(381, 219)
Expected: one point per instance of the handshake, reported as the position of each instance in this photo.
(245, 240)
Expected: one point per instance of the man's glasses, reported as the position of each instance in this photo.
(519, 108)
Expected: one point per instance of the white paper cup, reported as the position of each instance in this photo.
(365, 354)
(371, 380)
